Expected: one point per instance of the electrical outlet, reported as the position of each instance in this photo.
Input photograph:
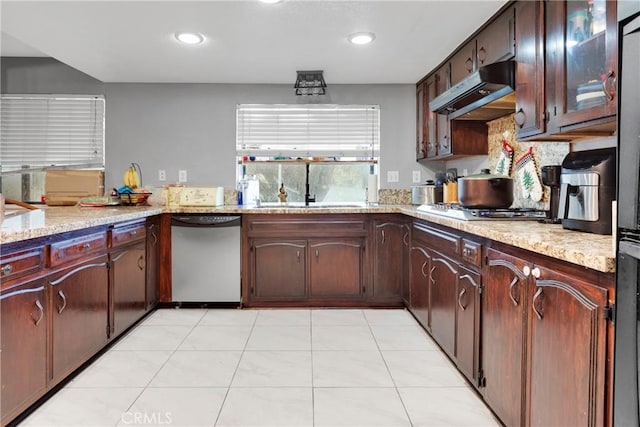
(393, 176)
(465, 172)
(416, 177)
(182, 176)
(162, 175)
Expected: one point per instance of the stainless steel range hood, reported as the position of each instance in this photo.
(484, 95)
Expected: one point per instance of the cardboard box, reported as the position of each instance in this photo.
(66, 187)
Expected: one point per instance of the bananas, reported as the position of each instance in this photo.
(133, 176)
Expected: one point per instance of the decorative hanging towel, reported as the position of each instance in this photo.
(503, 167)
(528, 176)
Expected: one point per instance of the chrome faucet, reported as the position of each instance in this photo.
(307, 197)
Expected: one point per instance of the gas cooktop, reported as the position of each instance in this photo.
(460, 212)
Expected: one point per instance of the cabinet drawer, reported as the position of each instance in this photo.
(471, 252)
(72, 249)
(125, 235)
(444, 241)
(21, 262)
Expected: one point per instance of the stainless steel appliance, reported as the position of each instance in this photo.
(626, 405)
(457, 211)
(205, 253)
(427, 193)
(587, 189)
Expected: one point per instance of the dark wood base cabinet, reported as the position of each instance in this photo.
(23, 344)
(60, 296)
(543, 343)
(323, 260)
(79, 302)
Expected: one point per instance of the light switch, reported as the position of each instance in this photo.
(416, 177)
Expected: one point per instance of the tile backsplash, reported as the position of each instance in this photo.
(544, 153)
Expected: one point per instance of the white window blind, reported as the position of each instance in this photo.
(308, 130)
(40, 131)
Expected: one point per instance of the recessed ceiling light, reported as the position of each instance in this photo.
(190, 38)
(270, 1)
(361, 38)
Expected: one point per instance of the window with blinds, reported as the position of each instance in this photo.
(41, 131)
(308, 130)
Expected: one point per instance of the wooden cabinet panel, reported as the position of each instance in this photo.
(530, 78)
(390, 240)
(335, 268)
(79, 296)
(419, 283)
(421, 108)
(581, 67)
(153, 262)
(567, 351)
(503, 296)
(442, 301)
(463, 62)
(126, 234)
(278, 269)
(76, 248)
(20, 263)
(468, 323)
(23, 348)
(496, 42)
(444, 241)
(128, 266)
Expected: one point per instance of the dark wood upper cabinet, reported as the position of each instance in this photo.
(530, 109)
(495, 42)
(421, 105)
(581, 55)
(463, 62)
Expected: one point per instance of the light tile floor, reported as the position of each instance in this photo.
(281, 367)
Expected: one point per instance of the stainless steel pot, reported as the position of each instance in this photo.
(485, 190)
(426, 194)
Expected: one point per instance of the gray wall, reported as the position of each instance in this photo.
(45, 76)
(192, 127)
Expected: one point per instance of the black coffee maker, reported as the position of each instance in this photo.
(551, 177)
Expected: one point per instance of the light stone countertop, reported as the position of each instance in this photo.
(588, 250)
(53, 220)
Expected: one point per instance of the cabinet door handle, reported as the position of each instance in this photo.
(468, 65)
(536, 272)
(536, 296)
(462, 293)
(514, 300)
(431, 274)
(526, 270)
(610, 78)
(482, 57)
(64, 301)
(7, 269)
(40, 312)
(521, 117)
(155, 238)
(298, 255)
(382, 237)
(86, 246)
(404, 238)
(423, 266)
(317, 253)
(141, 262)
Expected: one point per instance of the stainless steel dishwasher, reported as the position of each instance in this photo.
(205, 253)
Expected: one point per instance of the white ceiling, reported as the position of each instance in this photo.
(246, 41)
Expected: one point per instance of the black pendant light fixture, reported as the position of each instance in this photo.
(310, 83)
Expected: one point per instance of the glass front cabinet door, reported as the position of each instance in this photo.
(582, 58)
